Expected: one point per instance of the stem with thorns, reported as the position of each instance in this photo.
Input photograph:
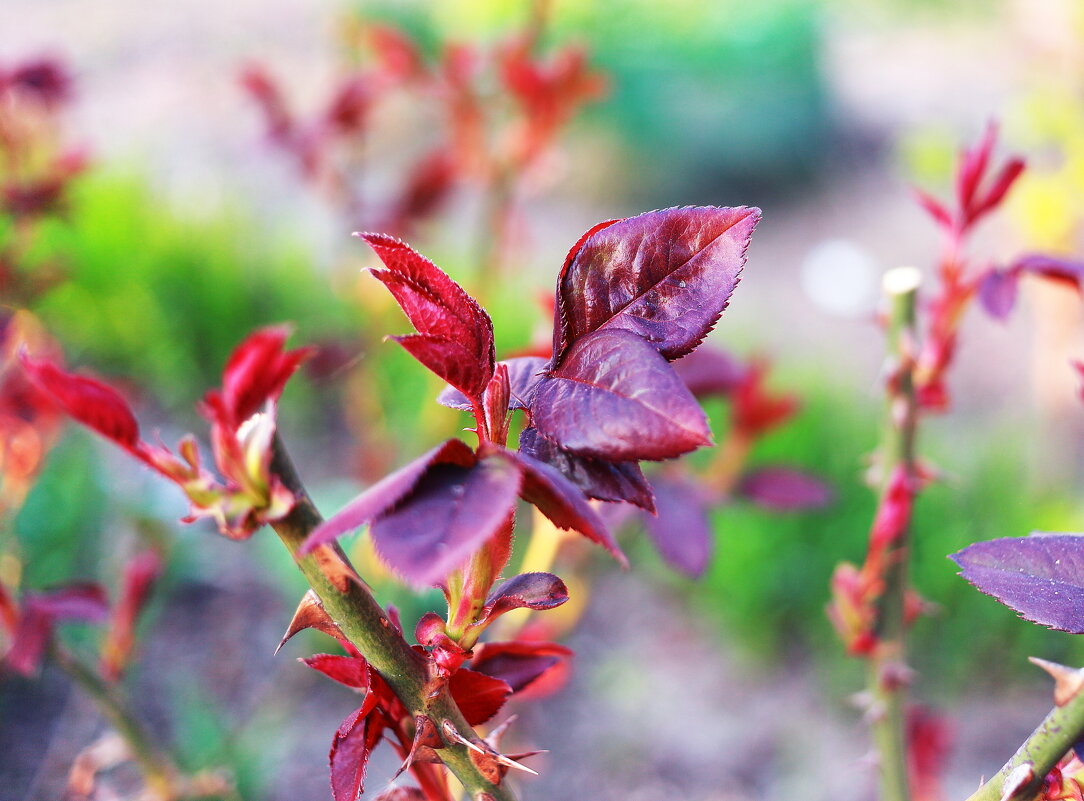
(366, 625)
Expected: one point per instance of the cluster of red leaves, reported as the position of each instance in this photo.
(981, 188)
(242, 417)
(485, 137)
(29, 623)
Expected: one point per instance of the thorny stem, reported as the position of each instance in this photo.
(365, 624)
(887, 668)
(159, 771)
(1058, 732)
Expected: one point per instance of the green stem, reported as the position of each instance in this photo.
(887, 668)
(366, 625)
(159, 772)
(1058, 732)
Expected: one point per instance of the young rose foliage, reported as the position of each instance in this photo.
(632, 296)
(242, 417)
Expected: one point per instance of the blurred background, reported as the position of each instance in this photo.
(209, 162)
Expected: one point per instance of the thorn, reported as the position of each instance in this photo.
(453, 734)
(505, 760)
(1067, 681)
(310, 614)
(494, 737)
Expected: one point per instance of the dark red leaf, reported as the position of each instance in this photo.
(600, 479)
(257, 371)
(710, 370)
(349, 755)
(527, 590)
(87, 400)
(666, 276)
(1040, 577)
(438, 308)
(349, 670)
(563, 503)
(533, 666)
(783, 489)
(449, 513)
(997, 292)
(681, 529)
(613, 397)
(478, 696)
(387, 492)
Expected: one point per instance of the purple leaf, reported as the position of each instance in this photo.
(666, 276)
(782, 489)
(387, 492)
(600, 479)
(614, 397)
(443, 314)
(710, 370)
(681, 530)
(1069, 272)
(997, 292)
(1040, 577)
(563, 503)
(448, 514)
(526, 591)
(519, 664)
(524, 373)
(75, 602)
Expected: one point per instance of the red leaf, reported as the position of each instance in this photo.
(614, 397)
(535, 666)
(973, 163)
(86, 602)
(997, 292)
(349, 755)
(601, 479)
(526, 591)
(782, 489)
(139, 576)
(349, 670)
(757, 410)
(448, 514)
(563, 503)
(87, 400)
(450, 359)
(440, 311)
(666, 276)
(386, 493)
(681, 529)
(257, 371)
(934, 208)
(478, 696)
(710, 370)
(29, 641)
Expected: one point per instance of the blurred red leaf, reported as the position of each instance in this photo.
(681, 529)
(478, 696)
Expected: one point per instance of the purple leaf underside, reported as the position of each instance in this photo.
(450, 512)
(782, 489)
(600, 479)
(681, 530)
(386, 493)
(1040, 577)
